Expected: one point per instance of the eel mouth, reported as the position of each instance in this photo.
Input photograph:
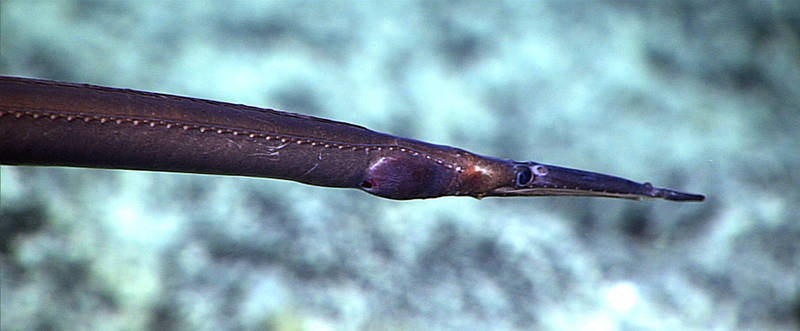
(536, 179)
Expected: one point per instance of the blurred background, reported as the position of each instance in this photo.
(693, 95)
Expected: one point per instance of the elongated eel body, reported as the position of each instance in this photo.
(64, 124)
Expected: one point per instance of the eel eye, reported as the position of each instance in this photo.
(524, 176)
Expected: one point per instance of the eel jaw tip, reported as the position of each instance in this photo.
(673, 195)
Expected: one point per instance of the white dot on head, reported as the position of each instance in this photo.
(539, 170)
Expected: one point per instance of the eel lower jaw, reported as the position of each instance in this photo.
(657, 193)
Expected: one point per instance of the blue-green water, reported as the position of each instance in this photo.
(698, 97)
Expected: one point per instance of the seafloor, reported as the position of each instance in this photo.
(695, 95)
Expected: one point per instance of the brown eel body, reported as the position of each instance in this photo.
(64, 124)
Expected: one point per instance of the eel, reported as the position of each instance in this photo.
(50, 123)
